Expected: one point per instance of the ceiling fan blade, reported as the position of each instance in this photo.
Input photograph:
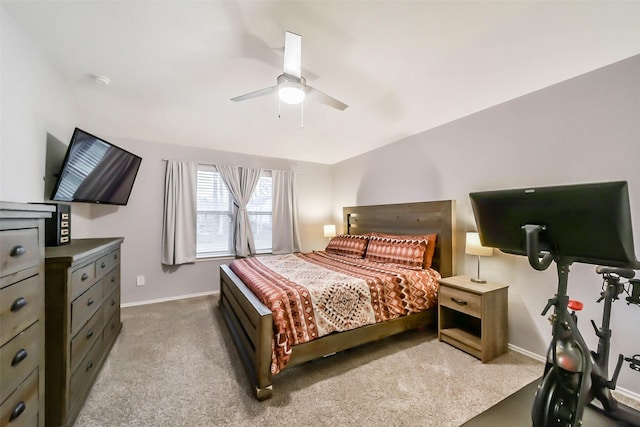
(323, 98)
(255, 94)
(292, 54)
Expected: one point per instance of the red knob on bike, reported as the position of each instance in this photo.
(575, 305)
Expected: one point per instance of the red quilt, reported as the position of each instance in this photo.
(314, 294)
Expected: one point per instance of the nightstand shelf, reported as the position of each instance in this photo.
(473, 316)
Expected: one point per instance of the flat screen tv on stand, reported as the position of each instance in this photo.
(588, 223)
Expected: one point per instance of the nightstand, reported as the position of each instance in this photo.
(473, 316)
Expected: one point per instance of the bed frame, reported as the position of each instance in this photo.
(250, 321)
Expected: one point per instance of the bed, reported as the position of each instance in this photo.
(251, 322)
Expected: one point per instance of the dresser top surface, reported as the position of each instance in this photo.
(31, 210)
(80, 249)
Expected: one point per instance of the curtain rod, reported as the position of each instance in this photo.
(212, 164)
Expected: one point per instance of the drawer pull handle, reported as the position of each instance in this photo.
(90, 333)
(113, 325)
(90, 302)
(17, 411)
(18, 304)
(113, 302)
(103, 265)
(115, 256)
(89, 365)
(458, 301)
(113, 279)
(84, 277)
(19, 357)
(17, 251)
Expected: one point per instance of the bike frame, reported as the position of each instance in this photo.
(581, 374)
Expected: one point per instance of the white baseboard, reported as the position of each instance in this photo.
(528, 353)
(624, 392)
(153, 301)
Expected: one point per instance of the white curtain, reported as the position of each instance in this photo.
(180, 213)
(285, 213)
(241, 182)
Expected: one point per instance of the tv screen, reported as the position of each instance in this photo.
(95, 171)
(588, 223)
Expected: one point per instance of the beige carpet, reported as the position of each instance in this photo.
(174, 364)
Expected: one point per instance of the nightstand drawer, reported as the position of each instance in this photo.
(459, 300)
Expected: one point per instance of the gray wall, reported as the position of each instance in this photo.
(586, 129)
(140, 222)
(35, 103)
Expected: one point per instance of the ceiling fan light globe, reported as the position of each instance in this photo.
(291, 94)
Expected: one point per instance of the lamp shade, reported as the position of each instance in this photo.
(474, 247)
(330, 230)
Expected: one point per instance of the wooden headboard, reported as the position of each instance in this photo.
(409, 218)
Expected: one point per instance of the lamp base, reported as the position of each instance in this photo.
(478, 280)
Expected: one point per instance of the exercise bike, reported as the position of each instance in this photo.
(574, 376)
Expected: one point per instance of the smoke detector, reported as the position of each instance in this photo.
(104, 80)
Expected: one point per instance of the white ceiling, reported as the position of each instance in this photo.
(402, 66)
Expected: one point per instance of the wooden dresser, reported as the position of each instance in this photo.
(22, 327)
(83, 320)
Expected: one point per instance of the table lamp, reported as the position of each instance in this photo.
(474, 247)
(330, 230)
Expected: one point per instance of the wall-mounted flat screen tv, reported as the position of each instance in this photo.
(95, 171)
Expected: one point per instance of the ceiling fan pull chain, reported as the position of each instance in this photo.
(278, 107)
(302, 115)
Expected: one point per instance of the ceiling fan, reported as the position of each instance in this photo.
(292, 88)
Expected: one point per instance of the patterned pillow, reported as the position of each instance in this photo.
(349, 245)
(408, 252)
(429, 238)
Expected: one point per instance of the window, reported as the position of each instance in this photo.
(216, 209)
(259, 209)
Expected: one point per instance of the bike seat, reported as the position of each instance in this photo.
(627, 273)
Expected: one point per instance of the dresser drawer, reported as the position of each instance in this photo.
(111, 280)
(88, 335)
(459, 300)
(18, 358)
(110, 305)
(81, 378)
(107, 262)
(82, 279)
(21, 408)
(85, 306)
(111, 329)
(19, 249)
(19, 306)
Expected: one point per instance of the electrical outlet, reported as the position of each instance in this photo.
(140, 280)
